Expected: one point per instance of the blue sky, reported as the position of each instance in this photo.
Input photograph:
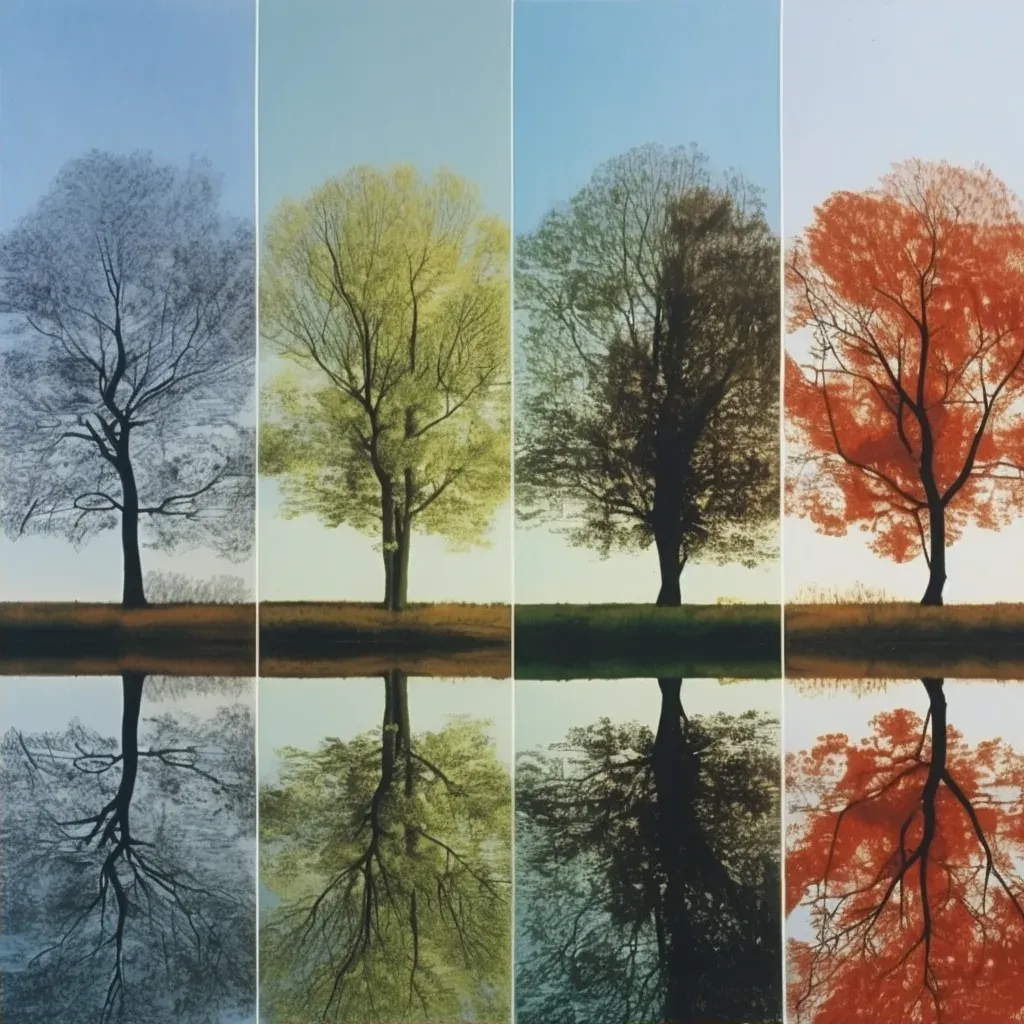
(593, 79)
(172, 76)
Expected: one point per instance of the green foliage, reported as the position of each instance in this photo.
(389, 297)
(647, 401)
(592, 892)
(395, 899)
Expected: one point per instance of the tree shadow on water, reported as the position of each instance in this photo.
(904, 874)
(128, 870)
(388, 855)
(648, 884)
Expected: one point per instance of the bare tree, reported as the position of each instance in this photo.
(129, 867)
(131, 316)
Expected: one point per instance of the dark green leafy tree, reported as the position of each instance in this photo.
(648, 385)
(389, 855)
(128, 870)
(647, 882)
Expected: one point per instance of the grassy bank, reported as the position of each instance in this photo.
(316, 639)
(351, 639)
(105, 639)
(905, 640)
(621, 640)
(353, 622)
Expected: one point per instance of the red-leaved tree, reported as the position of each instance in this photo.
(904, 418)
(904, 866)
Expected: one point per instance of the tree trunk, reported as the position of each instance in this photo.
(133, 593)
(937, 553)
(670, 564)
(403, 535)
(937, 707)
(388, 544)
(929, 797)
(395, 538)
(131, 707)
(395, 727)
(691, 870)
(671, 787)
(399, 681)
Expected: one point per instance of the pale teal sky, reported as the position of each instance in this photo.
(868, 83)
(381, 82)
(304, 712)
(545, 711)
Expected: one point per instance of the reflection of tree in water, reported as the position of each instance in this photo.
(905, 857)
(390, 854)
(647, 878)
(127, 868)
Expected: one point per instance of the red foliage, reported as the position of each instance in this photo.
(905, 860)
(909, 404)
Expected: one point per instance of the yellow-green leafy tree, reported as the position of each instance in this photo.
(386, 865)
(387, 296)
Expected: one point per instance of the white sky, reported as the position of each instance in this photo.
(624, 577)
(981, 709)
(301, 560)
(868, 83)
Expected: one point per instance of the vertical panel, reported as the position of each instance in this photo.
(385, 849)
(385, 319)
(647, 850)
(647, 297)
(384, 522)
(904, 235)
(647, 321)
(127, 493)
(128, 855)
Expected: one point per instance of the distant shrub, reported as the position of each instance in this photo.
(177, 588)
(859, 593)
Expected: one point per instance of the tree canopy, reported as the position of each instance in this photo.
(905, 418)
(639, 898)
(904, 861)
(389, 857)
(388, 296)
(129, 303)
(647, 391)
